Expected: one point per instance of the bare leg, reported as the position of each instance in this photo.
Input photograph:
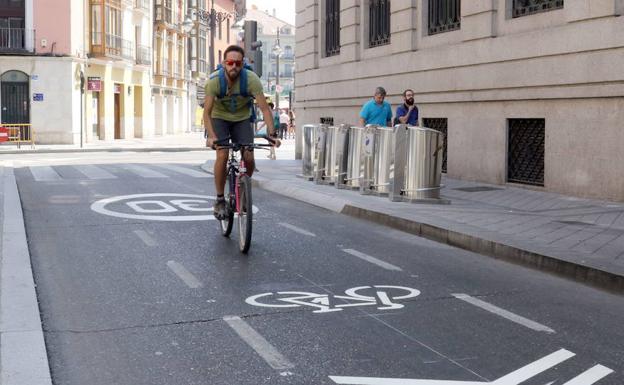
(250, 162)
(219, 170)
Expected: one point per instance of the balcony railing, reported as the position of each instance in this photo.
(17, 40)
(143, 55)
(112, 46)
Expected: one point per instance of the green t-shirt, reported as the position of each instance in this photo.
(221, 108)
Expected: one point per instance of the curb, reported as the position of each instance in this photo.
(105, 149)
(581, 273)
(577, 272)
(23, 356)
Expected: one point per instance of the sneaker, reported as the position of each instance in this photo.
(220, 211)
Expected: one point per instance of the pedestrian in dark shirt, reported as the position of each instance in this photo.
(407, 113)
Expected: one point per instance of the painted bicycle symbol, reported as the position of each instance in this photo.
(382, 296)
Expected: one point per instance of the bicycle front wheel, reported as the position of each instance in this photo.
(226, 224)
(245, 213)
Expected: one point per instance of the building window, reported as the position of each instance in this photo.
(440, 124)
(378, 22)
(332, 27)
(203, 64)
(444, 16)
(525, 151)
(529, 7)
(220, 30)
(228, 31)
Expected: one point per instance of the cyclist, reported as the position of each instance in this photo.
(228, 115)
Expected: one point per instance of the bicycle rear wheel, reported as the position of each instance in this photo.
(226, 224)
(245, 213)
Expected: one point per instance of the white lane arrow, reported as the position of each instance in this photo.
(516, 377)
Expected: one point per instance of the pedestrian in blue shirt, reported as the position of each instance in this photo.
(407, 113)
(377, 110)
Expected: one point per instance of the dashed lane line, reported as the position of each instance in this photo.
(373, 260)
(189, 279)
(258, 343)
(297, 229)
(503, 313)
(145, 237)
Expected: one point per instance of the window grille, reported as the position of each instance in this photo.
(525, 153)
(378, 22)
(332, 27)
(439, 124)
(529, 7)
(444, 16)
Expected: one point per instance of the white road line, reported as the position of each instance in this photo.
(184, 275)
(504, 313)
(297, 229)
(534, 368)
(185, 171)
(94, 172)
(144, 172)
(373, 260)
(396, 381)
(590, 376)
(44, 174)
(258, 343)
(145, 237)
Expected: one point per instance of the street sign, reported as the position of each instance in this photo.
(94, 84)
(589, 377)
(37, 97)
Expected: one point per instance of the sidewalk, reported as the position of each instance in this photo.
(188, 141)
(577, 238)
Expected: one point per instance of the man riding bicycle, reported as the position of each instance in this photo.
(228, 114)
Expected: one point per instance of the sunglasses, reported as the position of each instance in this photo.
(236, 63)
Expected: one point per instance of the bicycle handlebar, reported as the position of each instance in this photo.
(238, 146)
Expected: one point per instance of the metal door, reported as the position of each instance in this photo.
(15, 102)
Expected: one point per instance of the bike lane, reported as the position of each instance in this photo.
(148, 325)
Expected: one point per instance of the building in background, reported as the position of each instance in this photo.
(118, 103)
(268, 26)
(203, 15)
(171, 77)
(529, 92)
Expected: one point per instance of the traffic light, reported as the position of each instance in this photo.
(252, 45)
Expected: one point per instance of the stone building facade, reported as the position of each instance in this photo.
(528, 92)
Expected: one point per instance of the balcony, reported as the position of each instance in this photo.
(163, 12)
(17, 40)
(143, 55)
(142, 5)
(177, 73)
(112, 46)
(164, 67)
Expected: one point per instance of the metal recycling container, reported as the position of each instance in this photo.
(423, 169)
(354, 161)
(383, 160)
(330, 171)
(340, 148)
(320, 150)
(309, 150)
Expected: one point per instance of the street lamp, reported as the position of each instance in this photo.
(211, 18)
(277, 51)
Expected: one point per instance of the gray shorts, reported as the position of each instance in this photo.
(238, 132)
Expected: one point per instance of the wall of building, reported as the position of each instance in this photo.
(53, 23)
(562, 66)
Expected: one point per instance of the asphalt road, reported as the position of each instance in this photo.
(132, 300)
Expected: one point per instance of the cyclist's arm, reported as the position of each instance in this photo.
(208, 103)
(266, 112)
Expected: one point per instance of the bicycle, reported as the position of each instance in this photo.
(238, 192)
